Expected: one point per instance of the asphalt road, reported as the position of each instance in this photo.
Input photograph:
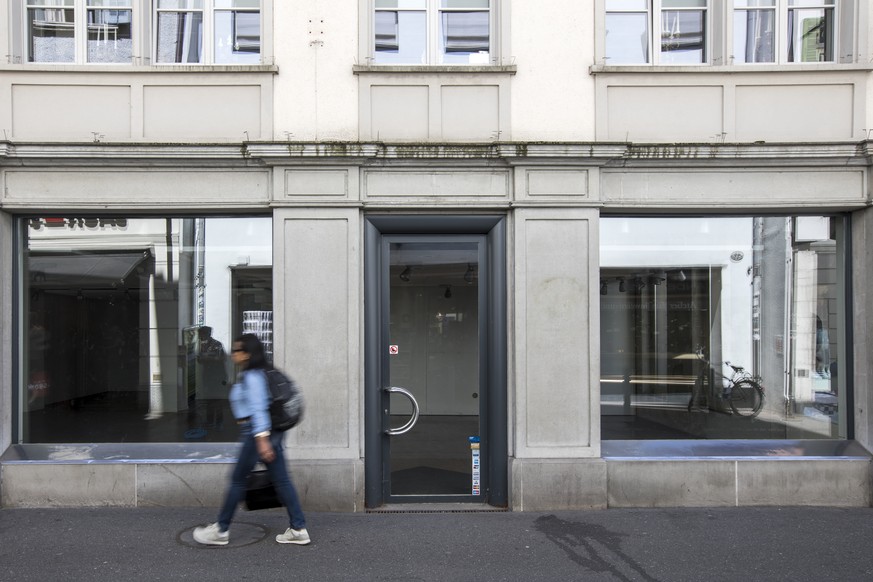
(791, 544)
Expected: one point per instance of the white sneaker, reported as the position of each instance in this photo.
(294, 536)
(210, 536)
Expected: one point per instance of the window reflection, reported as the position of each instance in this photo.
(52, 35)
(237, 37)
(109, 36)
(697, 313)
(180, 37)
(401, 36)
(128, 324)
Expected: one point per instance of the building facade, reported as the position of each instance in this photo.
(526, 255)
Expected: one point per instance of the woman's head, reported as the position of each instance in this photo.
(248, 352)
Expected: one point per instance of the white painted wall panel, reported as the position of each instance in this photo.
(554, 325)
(317, 337)
(321, 182)
(665, 114)
(470, 113)
(795, 112)
(753, 188)
(70, 112)
(435, 183)
(399, 113)
(131, 188)
(202, 112)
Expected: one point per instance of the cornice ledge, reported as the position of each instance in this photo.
(756, 151)
(99, 151)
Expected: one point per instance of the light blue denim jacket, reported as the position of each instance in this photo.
(250, 397)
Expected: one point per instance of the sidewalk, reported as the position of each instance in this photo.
(663, 545)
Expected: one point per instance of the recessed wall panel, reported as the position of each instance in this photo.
(794, 112)
(665, 114)
(470, 113)
(70, 112)
(202, 112)
(399, 113)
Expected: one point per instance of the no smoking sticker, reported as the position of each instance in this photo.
(393, 350)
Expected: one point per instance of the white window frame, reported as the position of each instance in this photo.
(80, 29)
(209, 10)
(433, 55)
(781, 10)
(654, 12)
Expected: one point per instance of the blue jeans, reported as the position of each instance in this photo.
(248, 457)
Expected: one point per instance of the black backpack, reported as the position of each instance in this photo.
(286, 402)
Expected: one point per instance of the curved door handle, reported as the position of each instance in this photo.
(412, 420)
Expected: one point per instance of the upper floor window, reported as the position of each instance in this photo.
(79, 31)
(432, 31)
(231, 29)
(664, 32)
(802, 30)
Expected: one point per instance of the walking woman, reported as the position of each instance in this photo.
(249, 400)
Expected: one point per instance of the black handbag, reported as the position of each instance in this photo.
(260, 493)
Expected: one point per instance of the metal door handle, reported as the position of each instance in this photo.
(412, 420)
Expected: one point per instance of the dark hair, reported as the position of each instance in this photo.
(255, 349)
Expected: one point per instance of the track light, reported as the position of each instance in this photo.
(404, 275)
(604, 288)
(448, 293)
(621, 286)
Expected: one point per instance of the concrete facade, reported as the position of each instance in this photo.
(546, 135)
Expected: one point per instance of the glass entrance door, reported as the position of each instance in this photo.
(432, 393)
(435, 399)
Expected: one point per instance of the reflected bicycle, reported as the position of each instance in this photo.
(741, 390)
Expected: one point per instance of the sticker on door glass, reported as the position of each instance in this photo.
(393, 350)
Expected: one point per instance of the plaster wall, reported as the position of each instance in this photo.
(315, 95)
(552, 92)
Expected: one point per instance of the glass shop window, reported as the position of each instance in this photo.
(127, 325)
(723, 328)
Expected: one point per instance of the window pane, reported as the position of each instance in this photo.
(754, 36)
(810, 36)
(465, 3)
(463, 34)
(181, 4)
(180, 37)
(401, 37)
(627, 4)
(254, 4)
(627, 39)
(110, 37)
(237, 37)
(683, 3)
(129, 322)
(810, 3)
(109, 3)
(682, 37)
(402, 4)
(682, 297)
(51, 3)
(52, 35)
(754, 3)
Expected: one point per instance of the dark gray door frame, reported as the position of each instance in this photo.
(495, 453)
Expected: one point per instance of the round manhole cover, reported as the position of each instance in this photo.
(241, 534)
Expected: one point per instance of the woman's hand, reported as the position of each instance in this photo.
(265, 449)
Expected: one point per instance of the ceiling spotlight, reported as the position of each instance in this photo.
(448, 293)
(604, 288)
(404, 275)
(468, 275)
(621, 286)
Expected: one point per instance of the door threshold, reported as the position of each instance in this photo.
(436, 508)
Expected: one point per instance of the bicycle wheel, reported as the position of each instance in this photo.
(746, 398)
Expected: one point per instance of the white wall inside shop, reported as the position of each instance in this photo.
(674, 243)
(231, 242)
